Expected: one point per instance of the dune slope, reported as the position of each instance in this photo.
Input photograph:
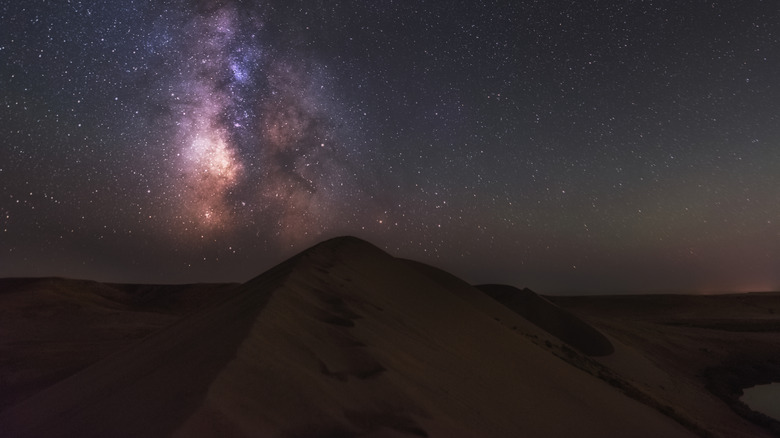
(558, 322)
(692, 354)
(51, 328)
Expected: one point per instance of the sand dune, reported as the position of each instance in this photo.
(700, 377)
(558, 322)
(342, 340)
(692, 354)
(51, 328)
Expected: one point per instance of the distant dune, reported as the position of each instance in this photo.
(343, 340)
(558, 322)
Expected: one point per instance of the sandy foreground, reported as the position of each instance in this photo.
(344, 340)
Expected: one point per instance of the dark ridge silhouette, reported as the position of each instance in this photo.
(551, 318)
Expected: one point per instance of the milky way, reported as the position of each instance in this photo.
(567, 147)
(208, 161)
(256, 134)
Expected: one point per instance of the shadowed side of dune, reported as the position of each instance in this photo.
(553, 319)
(542, 313)
(52, 328)
(150, 388)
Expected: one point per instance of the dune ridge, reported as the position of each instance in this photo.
(553, 319)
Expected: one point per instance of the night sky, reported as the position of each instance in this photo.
(565, 146)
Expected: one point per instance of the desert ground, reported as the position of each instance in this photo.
(345, 340)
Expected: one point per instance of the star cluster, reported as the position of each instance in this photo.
(567, 147)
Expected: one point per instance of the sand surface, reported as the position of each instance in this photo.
(692, 354)
(51, 328)
(344, 340)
